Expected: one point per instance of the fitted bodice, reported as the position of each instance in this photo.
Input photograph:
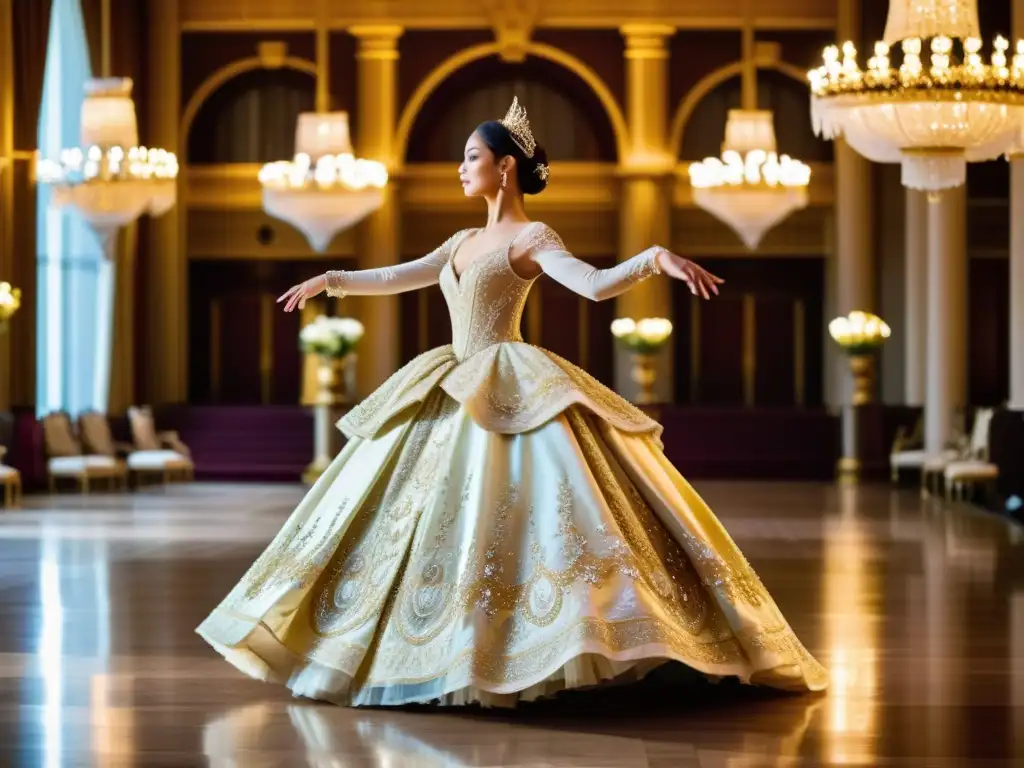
(485, 303)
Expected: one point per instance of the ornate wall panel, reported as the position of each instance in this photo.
(693, 54)
(422, 50)
(202, 55)
(601, 49)
(565, 115)
(251, 118)
(759, 344)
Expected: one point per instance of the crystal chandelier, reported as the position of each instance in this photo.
(325, 188)
(930, 118)
(750, 188)
(109, 179)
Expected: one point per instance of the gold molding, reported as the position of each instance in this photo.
(377, 41)
(467, 56)
(583, 186)
(302, 24)
(211, 84)
(513, 22)
(749, 349)
(711, 81)
(646, 41)
(255, 15)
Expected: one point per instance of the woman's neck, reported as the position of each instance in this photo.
(505, 208)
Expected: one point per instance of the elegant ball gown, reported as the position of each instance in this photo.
(499, 526)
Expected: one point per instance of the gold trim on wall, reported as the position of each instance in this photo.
(749, 348)
(250, 15)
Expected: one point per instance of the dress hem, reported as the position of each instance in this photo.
(261, 655)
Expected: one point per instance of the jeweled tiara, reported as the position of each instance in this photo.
(518, 126)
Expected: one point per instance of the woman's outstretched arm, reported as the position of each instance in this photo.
(409, 276)
(596, 284)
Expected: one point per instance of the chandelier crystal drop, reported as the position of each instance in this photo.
(111, 180)
(324, 188)
(750, 188)
(938, 107)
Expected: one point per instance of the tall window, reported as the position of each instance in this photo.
(74, 280)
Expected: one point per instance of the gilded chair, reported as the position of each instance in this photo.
(66, 457)
(973, 467)
(10, 478)
(166, 454)
(97, 438)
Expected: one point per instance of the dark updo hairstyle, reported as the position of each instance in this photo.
(499, 141)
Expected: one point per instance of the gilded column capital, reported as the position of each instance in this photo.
(647, 41)
(377, 41)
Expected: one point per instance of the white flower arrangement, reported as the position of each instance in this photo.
(331, 336)
(644, 336)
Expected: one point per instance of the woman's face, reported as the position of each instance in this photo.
(479, 173)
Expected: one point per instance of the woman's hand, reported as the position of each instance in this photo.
(296, 295)
(701, 282)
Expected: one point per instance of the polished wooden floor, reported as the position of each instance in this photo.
(916, 608)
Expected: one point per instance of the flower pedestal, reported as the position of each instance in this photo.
(644, 339)
(860, 335)
(332, 340)
(644, 372)
(335, 384)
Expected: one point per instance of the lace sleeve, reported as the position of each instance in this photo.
(546, 248)
(410, 276)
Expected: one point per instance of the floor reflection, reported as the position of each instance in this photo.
(333, 737)
(915, 607)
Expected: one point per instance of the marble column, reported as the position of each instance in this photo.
(853, 270)
(378, 235)
(645, 211)
(166, 288)
(122, 394)
(915, 324)
(7, 189)
(1017, 256)
(946, 386)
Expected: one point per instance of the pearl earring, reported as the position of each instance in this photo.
(504, 179)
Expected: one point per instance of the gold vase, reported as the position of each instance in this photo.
(644, 373)
(863, 369)
(335, 379)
